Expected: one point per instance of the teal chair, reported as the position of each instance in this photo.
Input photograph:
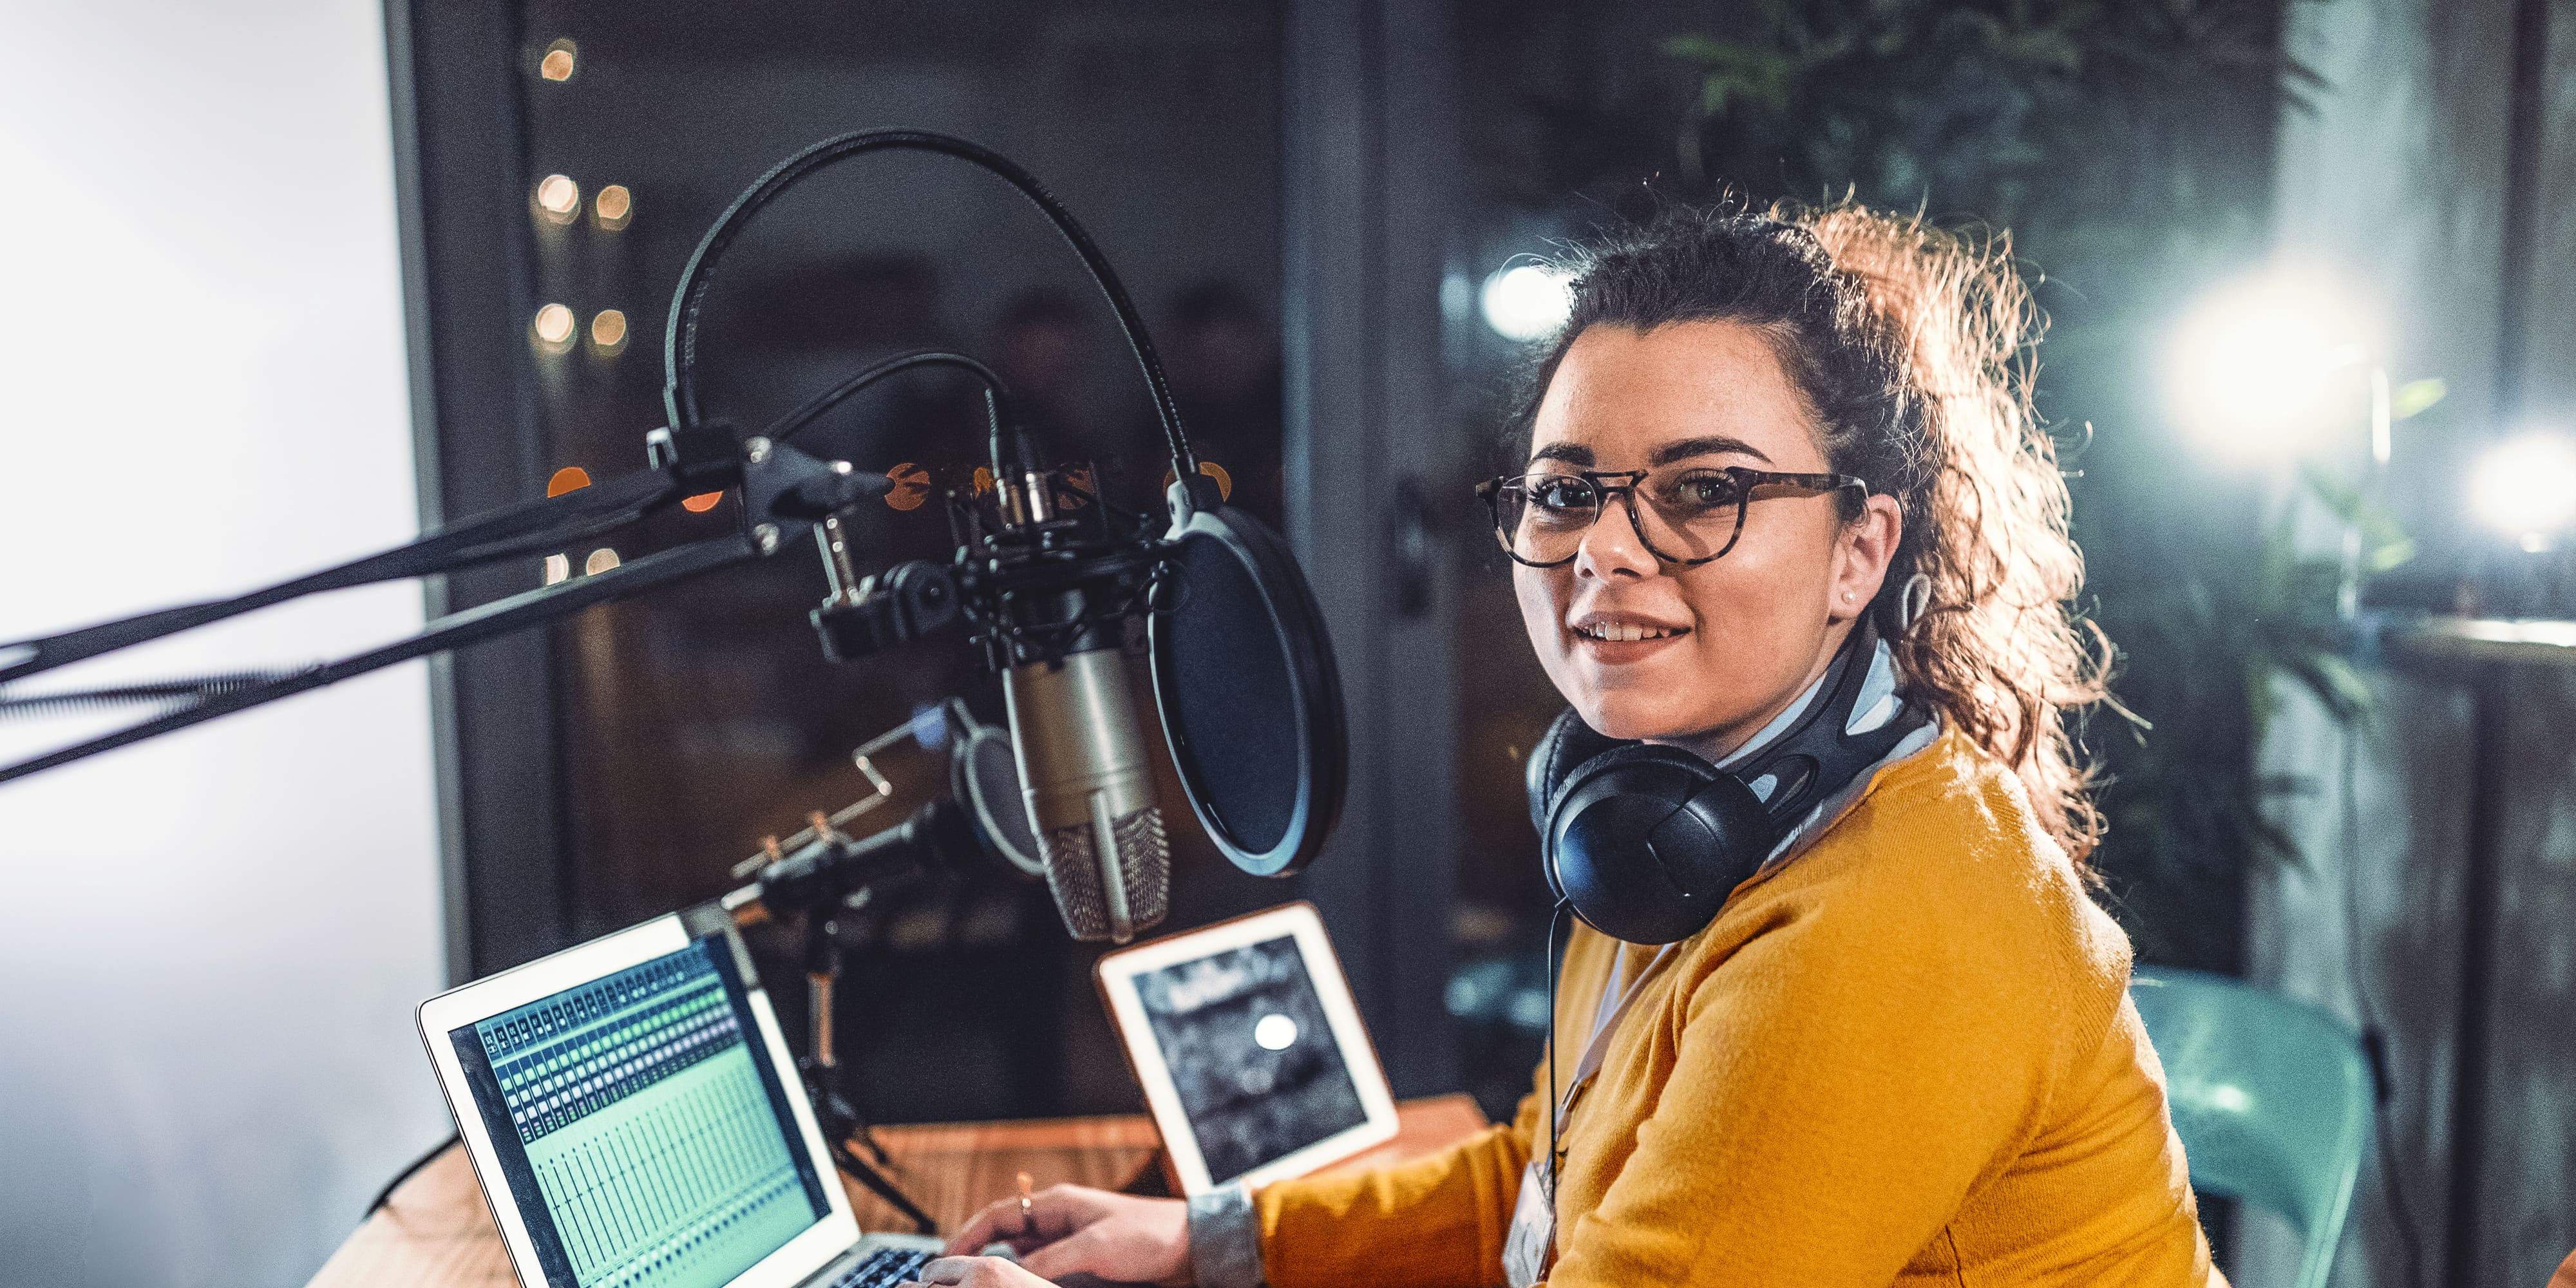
(2271, 1097)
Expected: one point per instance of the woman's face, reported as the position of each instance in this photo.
(1727, 644)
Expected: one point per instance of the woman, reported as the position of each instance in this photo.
(1903, 1052)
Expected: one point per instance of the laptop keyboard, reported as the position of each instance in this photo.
(884, 1268)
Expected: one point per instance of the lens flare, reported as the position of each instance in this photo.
(1527, 301)
(2265, 365)
(2526, 487)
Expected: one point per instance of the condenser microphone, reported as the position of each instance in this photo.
(1090, 792)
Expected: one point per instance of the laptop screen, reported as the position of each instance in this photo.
(643, 1129)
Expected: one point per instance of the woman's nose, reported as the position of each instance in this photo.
(1612, 546)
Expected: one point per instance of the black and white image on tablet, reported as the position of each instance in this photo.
(1251, 1053)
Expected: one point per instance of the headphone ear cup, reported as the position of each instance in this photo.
(1567, 744)
(1647, 842)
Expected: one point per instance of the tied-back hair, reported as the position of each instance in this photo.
(1911, 347)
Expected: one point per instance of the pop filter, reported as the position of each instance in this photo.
(984, 780)
(1244, 680)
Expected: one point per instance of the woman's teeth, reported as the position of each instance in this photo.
(1623, 632)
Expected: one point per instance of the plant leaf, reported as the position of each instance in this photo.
(2416, 397)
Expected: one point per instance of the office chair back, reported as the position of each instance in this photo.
(2271, 1097)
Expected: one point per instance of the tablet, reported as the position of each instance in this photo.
(1254, 1061)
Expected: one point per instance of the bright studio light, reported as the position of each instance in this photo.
(1526, 301)
(2261, 366)
(2526, 487)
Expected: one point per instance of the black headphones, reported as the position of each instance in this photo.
(1647, 841)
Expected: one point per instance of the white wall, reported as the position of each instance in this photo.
(212, 942)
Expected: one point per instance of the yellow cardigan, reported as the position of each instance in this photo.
(1907, 1056)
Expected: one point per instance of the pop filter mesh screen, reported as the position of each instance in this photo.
(988, 780)
(1229, 696)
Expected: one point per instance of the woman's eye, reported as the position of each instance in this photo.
(1701, 493)
(1561, 494)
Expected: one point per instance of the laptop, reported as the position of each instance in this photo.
(636, 1121)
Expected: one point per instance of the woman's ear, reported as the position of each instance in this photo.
(1861, 555)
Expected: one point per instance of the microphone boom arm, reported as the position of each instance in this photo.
(785, 493)
(519, 529)
(456, 630)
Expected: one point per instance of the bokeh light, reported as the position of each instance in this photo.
(600, 561)
(2525, 487)
(1527, 301)
(558, 62)
(702, 502)
(614, 208)
(608, 333)
(571, 478)
(552, 329)
(558, 199)
(911, 486)
(2262, 367)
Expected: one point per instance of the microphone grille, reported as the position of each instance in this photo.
(1144, 866)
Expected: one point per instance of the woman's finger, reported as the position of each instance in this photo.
(947, 1270)
(987, 1226)
(1084, 1252)
(1053, 1213)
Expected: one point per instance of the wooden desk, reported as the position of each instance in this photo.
(437, 1233)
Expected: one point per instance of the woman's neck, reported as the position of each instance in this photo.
(1719, 746)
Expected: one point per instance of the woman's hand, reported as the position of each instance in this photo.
(1074, 1229)
(978, 1272)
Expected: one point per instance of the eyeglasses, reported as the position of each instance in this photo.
(1690, 516)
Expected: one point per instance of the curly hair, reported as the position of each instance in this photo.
(1912, 348)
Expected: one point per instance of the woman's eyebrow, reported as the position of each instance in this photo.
(1574, 454)
(1708, 445)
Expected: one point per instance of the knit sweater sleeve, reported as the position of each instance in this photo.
(1437, 1221)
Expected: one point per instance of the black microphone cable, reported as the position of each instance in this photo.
(1555, 918)
(386, 1194)
(680, 336)
(996, 393)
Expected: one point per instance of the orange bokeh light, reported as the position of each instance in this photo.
(1224, 481)
(571, 478)
(911, 486)
(701, 503)
(615, 207)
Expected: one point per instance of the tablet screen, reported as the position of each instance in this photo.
(1251, 1054)
(646, 1140)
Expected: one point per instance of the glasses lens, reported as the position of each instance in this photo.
(1543, 517)
(1692, 513)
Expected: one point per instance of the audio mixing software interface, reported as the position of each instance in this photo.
(664, 1150)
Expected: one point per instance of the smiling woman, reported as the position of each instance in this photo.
(1880, 348)
(1789, 542)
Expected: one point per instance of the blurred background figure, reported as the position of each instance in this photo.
(1225, 374)
(1041, 347)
